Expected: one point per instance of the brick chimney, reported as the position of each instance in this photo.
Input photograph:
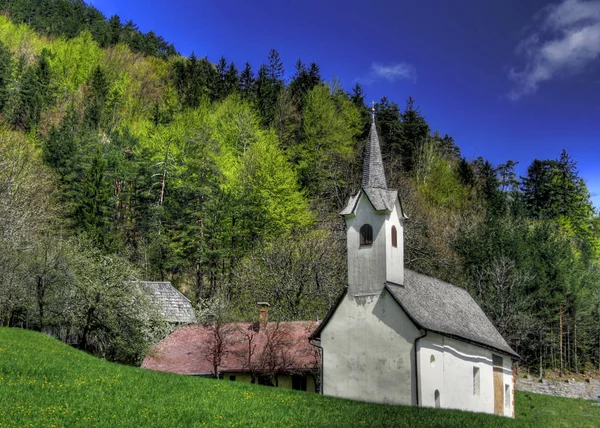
(263, 316)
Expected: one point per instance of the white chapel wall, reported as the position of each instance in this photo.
(368, 351)
(447, 365)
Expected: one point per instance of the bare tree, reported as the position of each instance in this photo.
(213, 314)
(499, 293)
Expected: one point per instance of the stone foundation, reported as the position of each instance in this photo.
(569, 388)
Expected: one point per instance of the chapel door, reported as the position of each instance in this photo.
(498, 385)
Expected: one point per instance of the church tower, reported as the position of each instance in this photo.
(374, 226)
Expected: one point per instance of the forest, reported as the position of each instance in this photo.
(121, 161)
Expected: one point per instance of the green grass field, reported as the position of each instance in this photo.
(45, 383)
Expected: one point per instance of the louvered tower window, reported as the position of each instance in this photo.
(366, 234)
(394, 237)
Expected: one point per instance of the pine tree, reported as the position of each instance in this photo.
(232, 79)
(275, 70)
(92, 206)
(358, 96)
(247, 88)
(221, 91)
(5, 74)
(95, 114)
(415, 131)
(26, 101)
(389, 128)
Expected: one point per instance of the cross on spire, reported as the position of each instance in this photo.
(373, 172)
(373, 111)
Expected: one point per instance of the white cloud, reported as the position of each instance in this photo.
(566, 40)
(391, 72)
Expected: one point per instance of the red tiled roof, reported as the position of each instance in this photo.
(282, 348)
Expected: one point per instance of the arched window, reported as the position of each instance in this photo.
(394, 237)
(366, 234)
(436, 397)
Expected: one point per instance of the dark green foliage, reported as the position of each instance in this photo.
(447, 146)
(488, 187)
(96, 106)
(304, 80)
(59, 150)
(228, 80)
(534, 260)
(465, 173)
(414, 131)
(537, 191)
(91, 208)
(553, 189)
(70, 17)
(387, 114)
(194, 79)
(5, 73)
(247, 83)
(275, 71)
(269, 84)
(28, 95)
(358, 95)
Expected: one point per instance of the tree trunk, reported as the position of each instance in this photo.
(560, 340)
(41, 291)
(87, 328)
(575, 347)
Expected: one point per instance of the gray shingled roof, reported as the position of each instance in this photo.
(374, 184)
(373, 172)
(172, 305)
(444, 308)
(381, 199)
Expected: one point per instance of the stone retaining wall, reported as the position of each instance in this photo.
(589, 390)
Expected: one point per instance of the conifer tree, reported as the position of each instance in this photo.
(92, 207)
(96, 109)
(414, 131)
(232, 79)
(247, 82)
(358, 95)
(5, 73)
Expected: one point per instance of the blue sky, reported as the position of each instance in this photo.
(507, 79)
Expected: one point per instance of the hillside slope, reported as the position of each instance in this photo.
(44, 383)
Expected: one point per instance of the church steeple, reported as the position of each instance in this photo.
(374, 227)
(373, 172)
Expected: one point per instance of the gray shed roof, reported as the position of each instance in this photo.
(172, 305)
(444, 308)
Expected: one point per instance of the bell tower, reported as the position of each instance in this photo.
(374, 227)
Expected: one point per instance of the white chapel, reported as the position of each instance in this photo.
(400, 337)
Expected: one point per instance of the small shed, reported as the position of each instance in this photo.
(171, 303)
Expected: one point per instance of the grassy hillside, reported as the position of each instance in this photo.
(46, 383)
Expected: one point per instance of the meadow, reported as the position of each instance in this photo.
(45, 383)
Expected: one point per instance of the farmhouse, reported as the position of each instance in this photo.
(267, 353)
(397, 336)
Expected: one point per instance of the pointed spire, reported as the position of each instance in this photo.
(373, 173)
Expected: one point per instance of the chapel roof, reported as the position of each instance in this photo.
(374, 183)
(373, 172)
(170, 302)
(441, 307)
(283, 346)
(381, 199)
